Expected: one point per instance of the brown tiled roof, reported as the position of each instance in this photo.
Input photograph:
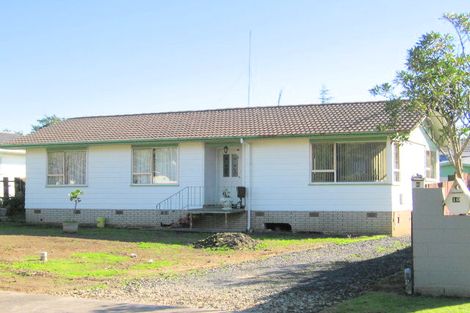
(294, 120)
(7, 137)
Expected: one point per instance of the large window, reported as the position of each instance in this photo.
(155, 165)
(348, 162)
(66, 167)
(431, 160)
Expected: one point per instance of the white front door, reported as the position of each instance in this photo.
(229, 170)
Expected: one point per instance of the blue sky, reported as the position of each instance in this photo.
(76, 58)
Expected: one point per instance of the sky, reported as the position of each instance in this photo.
(88, 57)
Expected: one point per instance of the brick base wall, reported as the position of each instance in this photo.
(391, 223)
(328, 222)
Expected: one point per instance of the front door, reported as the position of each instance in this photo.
(229, 165)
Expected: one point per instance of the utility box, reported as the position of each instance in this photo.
(458, 199)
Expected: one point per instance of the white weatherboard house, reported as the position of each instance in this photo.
(323, 168)
(12, 162)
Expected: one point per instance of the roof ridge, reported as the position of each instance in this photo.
(228, 109)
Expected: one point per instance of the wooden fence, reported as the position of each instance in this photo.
(447, 185)
(11, 188)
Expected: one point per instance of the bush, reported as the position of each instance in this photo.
(14, 205)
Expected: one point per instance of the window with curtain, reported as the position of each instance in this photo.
(349, 162)
(431, 160)
(154, 165)
(66, 167)
(396, 162)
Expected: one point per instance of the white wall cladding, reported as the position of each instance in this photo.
(277, 175)
(280, 182)
(412, 162)
(12, 164)
(109, 179)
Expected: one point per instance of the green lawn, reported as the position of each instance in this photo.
(383, 302)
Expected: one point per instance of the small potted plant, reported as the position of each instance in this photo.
(71, 226)
(226, 201)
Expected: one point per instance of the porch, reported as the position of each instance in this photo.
(220, 203)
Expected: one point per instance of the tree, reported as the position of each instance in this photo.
(46, 121)
(435, 83)
(325, 95)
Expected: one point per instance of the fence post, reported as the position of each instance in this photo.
(6, 194)
(18, 186)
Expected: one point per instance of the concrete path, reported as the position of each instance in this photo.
(12, 302)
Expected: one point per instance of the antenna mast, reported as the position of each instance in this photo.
(249, 68)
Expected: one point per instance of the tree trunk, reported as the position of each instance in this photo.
(458, 168)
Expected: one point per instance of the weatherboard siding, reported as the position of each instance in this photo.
(12, 165)
(280, 178)
(109, 179)
(412, 154)
(276, 173)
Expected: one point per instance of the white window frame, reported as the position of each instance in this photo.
(152, 174)
(396, 171)
(335, 182)
(313, 171)
(63, 151)
(432, 166)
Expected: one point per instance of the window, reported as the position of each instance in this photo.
(396, 161)
(349, 162)
(154, 166)
(66, 167)
(431, 164)
(323, 169)
(230, 165)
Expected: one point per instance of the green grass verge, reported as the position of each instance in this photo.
(384, 302)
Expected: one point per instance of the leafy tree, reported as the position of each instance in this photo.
(325, 95)
(435, 83)
(6, 130)
(47, 121)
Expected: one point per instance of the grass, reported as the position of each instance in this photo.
(95, 256)
(385, 302)
(288, 240)
(79, 265)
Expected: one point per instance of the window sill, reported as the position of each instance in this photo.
(154, 185)
(350, 184)
(65, 186)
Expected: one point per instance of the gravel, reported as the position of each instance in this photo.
(306, 281)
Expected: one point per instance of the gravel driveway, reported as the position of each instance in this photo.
(306, 281)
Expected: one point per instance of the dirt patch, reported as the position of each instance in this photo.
(236, 241)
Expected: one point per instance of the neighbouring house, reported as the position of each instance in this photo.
(322, 168)
(12, 162)
(446, 169)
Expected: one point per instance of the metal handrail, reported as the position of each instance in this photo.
(186, 198)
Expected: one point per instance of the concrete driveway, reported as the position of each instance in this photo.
(12, 302)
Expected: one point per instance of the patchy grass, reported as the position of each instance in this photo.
(153, 265)
(79, 265)
(396, 246)
(289, 240)
(97, 256)
(386, 302)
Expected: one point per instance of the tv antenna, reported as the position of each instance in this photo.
(279, 98)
